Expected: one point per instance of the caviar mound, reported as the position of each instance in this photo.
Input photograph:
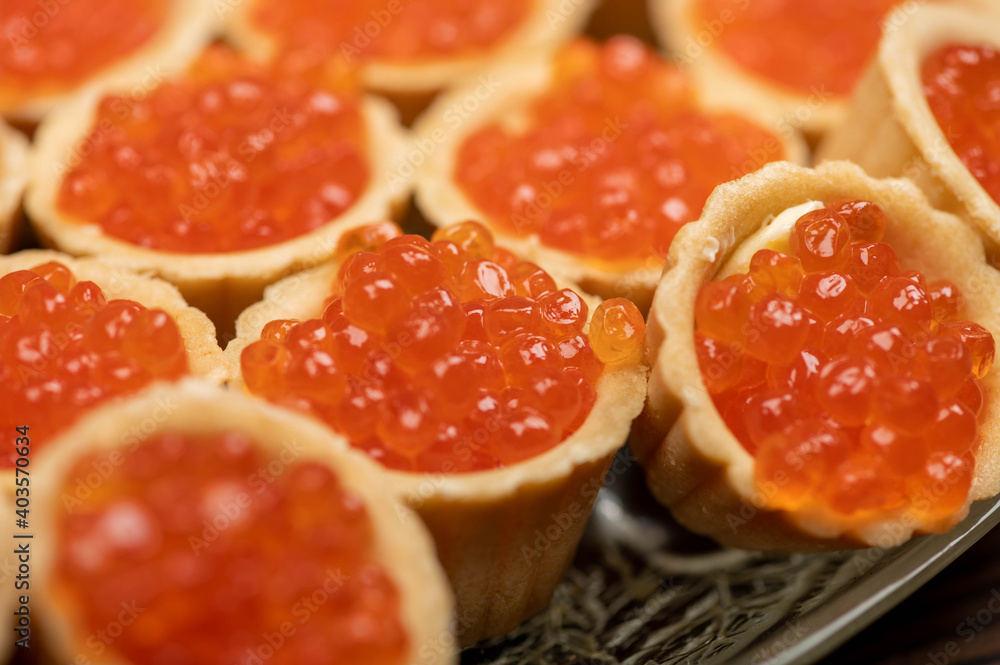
(13, 177)
(251, 250)
(957, 80)
(892, 130)
(75, 43)
(187, 516)
(851, 381)
(692, 454)
(442, 29)
(78, 333)
(485, 521)
(802, 60)
(209, 148)
(597, 174)
(57, 50)
(449, 356)
(734, 56)
(393, 52)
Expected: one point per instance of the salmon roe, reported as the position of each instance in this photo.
(49, 48)
(818, 48)
(219, 552)
(960, 83)
(401, 31)
(852, 381)
(231, 157)
(64, 348)
(610, 161)
(448, 356)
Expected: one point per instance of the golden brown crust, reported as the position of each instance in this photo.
(693, 463)
(13, 177)
(550, 23)
(205, 358)
(222, 285)
(890, 129)
(505, 536)
(464, 110)
(402, 545)
(190, 25)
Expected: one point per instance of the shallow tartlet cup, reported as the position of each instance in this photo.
(411, 86)
(402, 545)
(205, 358)
(118, 281)
(693, 463)
(189, 26)
(13, 178)
(505, 537)
(724, 81)
(890, 129)
(220, 284)
(464, 110)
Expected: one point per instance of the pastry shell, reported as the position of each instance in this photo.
(453, 117)
(190, 25)
(505, 536)
(693, 464)
(891, 131)
(692, 44)
(13, 176)
(724, 81)
(205, 358)
(402, 545)
(220, 284)
(413, 85)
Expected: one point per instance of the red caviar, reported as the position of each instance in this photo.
(403, 31)
(230, 157)
(49, 48)
(611, 163)
(446, 355)
(960, 83)
(64, 348)
(221, 555)
(848, 379)
(818, 48)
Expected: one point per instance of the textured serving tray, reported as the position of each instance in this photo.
(643, 590)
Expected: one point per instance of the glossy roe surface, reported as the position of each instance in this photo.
(405, 31)
(447, 356)
(231, 157)
(962, 86)
(65, 348)
(849, 379)
(613, 159)
(50, 48)
(817, 48)
(226, 553)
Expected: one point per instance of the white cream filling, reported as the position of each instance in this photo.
(772, 235)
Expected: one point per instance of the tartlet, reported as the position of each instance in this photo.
(505, 534)
(203, 357)
(220, 283)
(694, 464)
(13, 177)
(238, 427)
(411, 81)
(188, 26)
(513, 109)
(891, 130)
(698, 36)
